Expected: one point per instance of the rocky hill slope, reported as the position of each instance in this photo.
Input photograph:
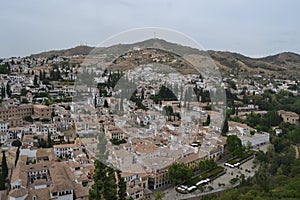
(282, 65)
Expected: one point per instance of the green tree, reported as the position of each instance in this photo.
(105, 184)
(233, 110)
(232, 85)
(294, 135)
(55, 74)
(121, 186)
(234, 145)
(2, 182)
(248, 146)
(95, 101)
(110, 186)
(50, 142)
(8, 90)
(168, 110)
(96, 192)
(262, 178)
(3, 92)
(142, 94)
(261, 156)
(4, 165)
(277, 176)
(23, 92)
(180, 173)
(17, 156)
(105, 105)
(4, 69)
(273, 119)
(159, 195)
(16, 143)
(28, 119)
(207, 121)
(43, 77)
(207, 164)
(101, 146)
(225, 127)
(166, 94)
(42, 143)
(35, 80)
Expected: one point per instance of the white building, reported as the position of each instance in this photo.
(15, 133)
(65, 150)
(255, 140)
(3, 126)
(243, 132)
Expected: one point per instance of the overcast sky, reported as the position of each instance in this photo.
(255, 28)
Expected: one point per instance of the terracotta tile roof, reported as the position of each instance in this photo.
(66, 146)
(145, 148)
(43, 193)
(15, 174)
(16, 193)
(40, 182)
(192, 157)
(81, 192)
(62, 177)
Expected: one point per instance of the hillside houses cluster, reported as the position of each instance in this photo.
(38, 176)
(62, 136)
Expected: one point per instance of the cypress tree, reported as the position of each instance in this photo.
(207, 120)
(35, 83)
(3, 92)
(121, 186)
(110, 186)
(4, 165)
(95, 101)
(8, 91)
(2, 182)
(105, 104)
(225, 127)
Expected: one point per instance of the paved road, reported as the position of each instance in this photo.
(246, 168)
(170, 193)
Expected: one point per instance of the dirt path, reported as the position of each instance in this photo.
(297, 151)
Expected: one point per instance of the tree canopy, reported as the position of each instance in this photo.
(234, 145)
(180, 173)
(277, 176)
(108, 183)
(16, 143)
(166, 94)
(225, 127)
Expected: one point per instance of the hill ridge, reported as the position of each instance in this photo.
(285, 63)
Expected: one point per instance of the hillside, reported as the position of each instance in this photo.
(121, 48)
(286, 64)
(79, 50)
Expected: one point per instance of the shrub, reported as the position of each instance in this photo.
(118, 142)
(28, 119)
(233, 181)
(16, 143)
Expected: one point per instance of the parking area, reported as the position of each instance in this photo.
(221, 183)
(247, 169)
